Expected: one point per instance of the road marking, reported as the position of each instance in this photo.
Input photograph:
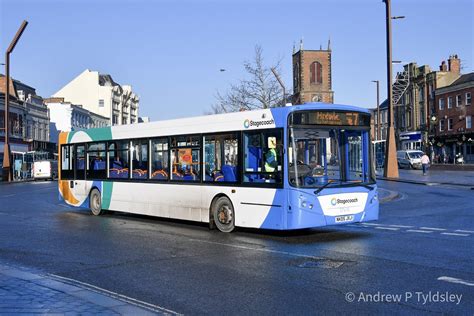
(371, 224)
(400, 226)
(455, 280)
(418, 231)
(433, 228)
(465, 231)
(257, 249)
(387, 228)
(116, 295)
(455, 234)
(8, 195)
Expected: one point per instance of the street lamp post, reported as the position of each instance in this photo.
(378, 111)
(390, 166)
(6, 147)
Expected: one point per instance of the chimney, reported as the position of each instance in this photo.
(443, 66)
(454, 64)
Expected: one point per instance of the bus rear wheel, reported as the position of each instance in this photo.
(95, 203)
(223, 214)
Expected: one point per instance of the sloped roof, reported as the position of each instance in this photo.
(464, 79)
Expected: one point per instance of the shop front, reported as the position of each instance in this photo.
(411, 141)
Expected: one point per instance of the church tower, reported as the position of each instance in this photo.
(312, 78)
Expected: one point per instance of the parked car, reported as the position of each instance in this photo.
(45, 169)
(410, 159)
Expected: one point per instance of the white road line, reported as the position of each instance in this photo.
(455, 280)
(433, 228)
(418, 231)
(8, 195)
(370, 224)
(387, 228)
(115, 295)
(465, 231)
(400, 226)
(455, 234)
(257, 249)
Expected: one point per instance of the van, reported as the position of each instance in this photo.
(410, 159)
(45, 169)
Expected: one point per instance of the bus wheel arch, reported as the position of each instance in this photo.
(222, 213)
(95, 202)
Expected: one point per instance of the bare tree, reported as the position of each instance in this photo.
(260, 90)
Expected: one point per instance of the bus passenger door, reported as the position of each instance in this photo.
(80, 172)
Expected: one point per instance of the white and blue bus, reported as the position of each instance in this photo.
(282, 168)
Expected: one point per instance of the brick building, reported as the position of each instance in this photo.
(453, 114)
(312, 77)
(414, 102)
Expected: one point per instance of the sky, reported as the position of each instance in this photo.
(171, 52)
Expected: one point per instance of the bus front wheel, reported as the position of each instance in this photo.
(223, 214)
(96, 203)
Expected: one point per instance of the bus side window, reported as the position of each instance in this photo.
(140, 159)
(80, 162)
(185, 158)
(159, 159)
(96, 161)
(119, 159)
(263, 156)
(221, 158)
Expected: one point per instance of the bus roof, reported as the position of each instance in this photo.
(246, 120)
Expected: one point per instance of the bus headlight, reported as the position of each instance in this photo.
(305, 204)
(374, 199)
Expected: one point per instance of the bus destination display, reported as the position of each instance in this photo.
(330, 118)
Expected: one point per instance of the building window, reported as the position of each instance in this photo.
(316, 73)
(468, 121)
(441, 125)
(101, 103)
(458, 100)
(441, 103)
(450, 124)
(421, 93)
(468, 98)
(450, 102)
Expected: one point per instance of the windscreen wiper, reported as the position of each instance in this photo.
(323, 187)
(354, 184)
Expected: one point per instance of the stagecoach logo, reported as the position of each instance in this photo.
(248, 123)
(335, 201)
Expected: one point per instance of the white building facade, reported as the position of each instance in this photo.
(66, 117)
(100, 94)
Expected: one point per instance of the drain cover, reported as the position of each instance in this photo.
(317, 263)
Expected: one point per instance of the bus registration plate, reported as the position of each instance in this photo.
(344, 218)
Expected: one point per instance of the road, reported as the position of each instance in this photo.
(420, 250)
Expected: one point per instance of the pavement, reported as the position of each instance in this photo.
(26, 291)
(433, 177)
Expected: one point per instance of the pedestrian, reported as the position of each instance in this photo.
(425, 160)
